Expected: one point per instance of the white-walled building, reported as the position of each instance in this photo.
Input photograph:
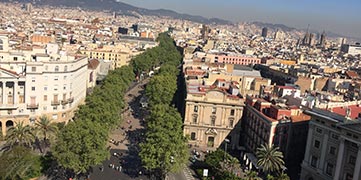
(34, 83)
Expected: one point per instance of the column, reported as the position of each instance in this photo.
(356, 172)
(2, 93)
(339, 159)
(308, 145)
(16, 96)
(5, 94)
(323, 152)
(3, 128)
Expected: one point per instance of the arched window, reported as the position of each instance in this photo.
(56, 68)
(65, 68)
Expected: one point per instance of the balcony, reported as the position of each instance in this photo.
(70, 100)
(64, 102)
(55, 103)
(32, 106)
(8, 106)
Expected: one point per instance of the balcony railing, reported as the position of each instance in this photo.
(32, 106)
(63, 102)
(70, 100)
(55, 103)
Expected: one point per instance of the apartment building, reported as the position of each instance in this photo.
(212, 114)
(274, 124)
(35, 83)
(333, 150)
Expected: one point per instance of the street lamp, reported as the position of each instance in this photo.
(225, 147)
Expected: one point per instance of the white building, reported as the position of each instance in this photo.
(34, 83)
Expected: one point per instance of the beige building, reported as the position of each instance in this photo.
(212, 114)
(119, 58)
(34, 83)
(333, 150)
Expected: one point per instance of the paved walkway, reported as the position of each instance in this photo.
(124, 142)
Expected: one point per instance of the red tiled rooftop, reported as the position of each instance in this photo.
(355, 110)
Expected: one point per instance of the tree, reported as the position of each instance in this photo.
(46, 130)
(283, 176)
(270, 159)
(19, 163)
(20, 135)
(161, 89)
(80, 145)
(165, 149)
(251, 175)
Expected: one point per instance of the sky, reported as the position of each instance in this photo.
(338, 16)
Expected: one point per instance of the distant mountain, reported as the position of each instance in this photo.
(274, 26)
(122, 8)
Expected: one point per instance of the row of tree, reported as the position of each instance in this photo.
(82, 143)
(165, 148)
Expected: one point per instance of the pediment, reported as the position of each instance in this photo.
(4, 73)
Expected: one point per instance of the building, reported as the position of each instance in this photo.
(323, 39)
(233, 58)
(351, 49)
(333, 150)
(264, 32)
(273, 123)
(212, 114)
(34, 83)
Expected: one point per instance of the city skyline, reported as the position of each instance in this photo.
(334, 16)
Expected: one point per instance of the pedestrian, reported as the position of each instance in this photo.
(110, 165)
(117, 168)
(113, 166)
(101, 168)
(120, 168)
(140, 173)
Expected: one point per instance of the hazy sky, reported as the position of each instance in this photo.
(339, 16)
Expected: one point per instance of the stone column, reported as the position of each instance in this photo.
(3, 93)
(16, 96)
(308, 145)
(356, 172)
(323, 152)
(339, 159)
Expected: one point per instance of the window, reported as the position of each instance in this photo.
(213, 121)
(33, 69)
(314, 160)
(194, 119)
(45, 88)
(55, 87)
(63, 115)
(193, 136)
(195, 109)
(334, 136)
(232, 112)
(45, 108)
(332, 150)
(65, 68)
(317, 144)
(231, 121)
(56, 68)
(55, 107)
(64, 86)
(64, 77)
(46, 77)
(352, 160)
(33, 79)
(214, 110)
(329, 169)
(46, 68)
(33, 88)
(55, 116)
(56, 78)
(15, 58)
(45, 97)
(319, 131)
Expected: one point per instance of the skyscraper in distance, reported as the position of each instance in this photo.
(323, 39)
(264, 32)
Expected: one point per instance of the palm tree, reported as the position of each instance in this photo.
(19, 135)
(283, 176)
(233, 164)
(270, 159)
(46, 130)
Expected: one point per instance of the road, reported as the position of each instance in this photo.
(129, 134)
